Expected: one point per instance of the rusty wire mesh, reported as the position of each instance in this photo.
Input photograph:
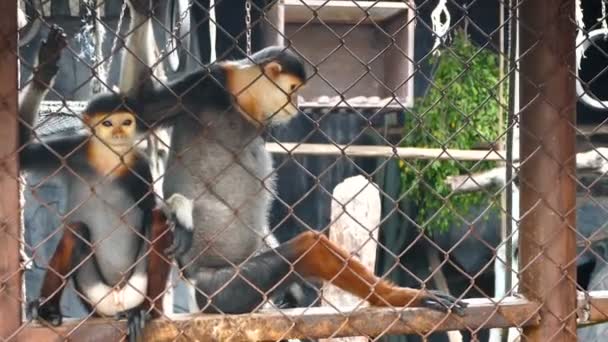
(349, 165)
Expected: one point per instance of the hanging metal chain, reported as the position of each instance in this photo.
(167, 46)
(170, 46)
(248, 25)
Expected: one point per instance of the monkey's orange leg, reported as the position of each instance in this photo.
(159, 264)
(317, 256)
(72, 245)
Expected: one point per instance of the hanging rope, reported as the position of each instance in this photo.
(440, 28)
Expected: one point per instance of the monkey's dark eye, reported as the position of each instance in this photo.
(107, 123)
(127, 122)
(293, 87)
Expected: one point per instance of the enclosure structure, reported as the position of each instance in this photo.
(544, 302)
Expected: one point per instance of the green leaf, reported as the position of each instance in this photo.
(461, 110)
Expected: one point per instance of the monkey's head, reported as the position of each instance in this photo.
(267, 89)
(111, 121)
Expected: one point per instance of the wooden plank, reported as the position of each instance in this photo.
(594, 161)
(342, 12)
(10, 220)
(316, 322)
(399, 57)
(384, 151)
(593, 307)
(355, 213)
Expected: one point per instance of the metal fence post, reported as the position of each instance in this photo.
(547, 241)
(10, 276)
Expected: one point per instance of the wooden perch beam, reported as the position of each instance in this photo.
(477, 181)
(593, 309)
(316, 322)
(591, 161)
(385, 151)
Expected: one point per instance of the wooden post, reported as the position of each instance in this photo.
(354, 227)
(10, 221)
(548, 174)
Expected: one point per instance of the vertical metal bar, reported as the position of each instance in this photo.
(547, 240)
(10, 222)
(511, 65)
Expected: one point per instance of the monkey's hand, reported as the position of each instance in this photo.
(46, 312)
(440, 301)
(48, 56)
(136, 322)
(179, 219)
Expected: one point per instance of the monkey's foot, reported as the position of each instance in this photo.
(440, 301)
(45, 312)
(182, 237)
(49, 54)
(136, 322)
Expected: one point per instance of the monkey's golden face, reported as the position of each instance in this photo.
(117, 130)
(265, 95)
(280, 99)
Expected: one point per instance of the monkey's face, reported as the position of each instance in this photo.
(276, 93)
(117, 130)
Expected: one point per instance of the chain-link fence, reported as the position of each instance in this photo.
(303, 169)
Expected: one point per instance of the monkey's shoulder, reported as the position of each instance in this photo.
(205, 87)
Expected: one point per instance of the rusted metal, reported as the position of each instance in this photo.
(306, 322)
(10, 221)
(547, 240)
(324, 322)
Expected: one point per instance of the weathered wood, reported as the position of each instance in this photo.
(343, 12)
(477, 181)
(592, 307)
(399, 67)
(10, 220)
(355, 217)
(595, 161)
(384, 151)
(316, 322)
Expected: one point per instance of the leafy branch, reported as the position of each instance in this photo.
(460, 111)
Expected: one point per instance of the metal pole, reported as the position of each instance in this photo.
(10, 222)
(547, 240)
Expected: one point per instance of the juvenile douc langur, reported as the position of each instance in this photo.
(111, 223)
(111, 219)
(219, 186)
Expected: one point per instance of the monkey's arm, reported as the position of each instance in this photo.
(51, 154)
(44, 74)
(159, 263)
(139, 62)
(71, 250)
(184, 96)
